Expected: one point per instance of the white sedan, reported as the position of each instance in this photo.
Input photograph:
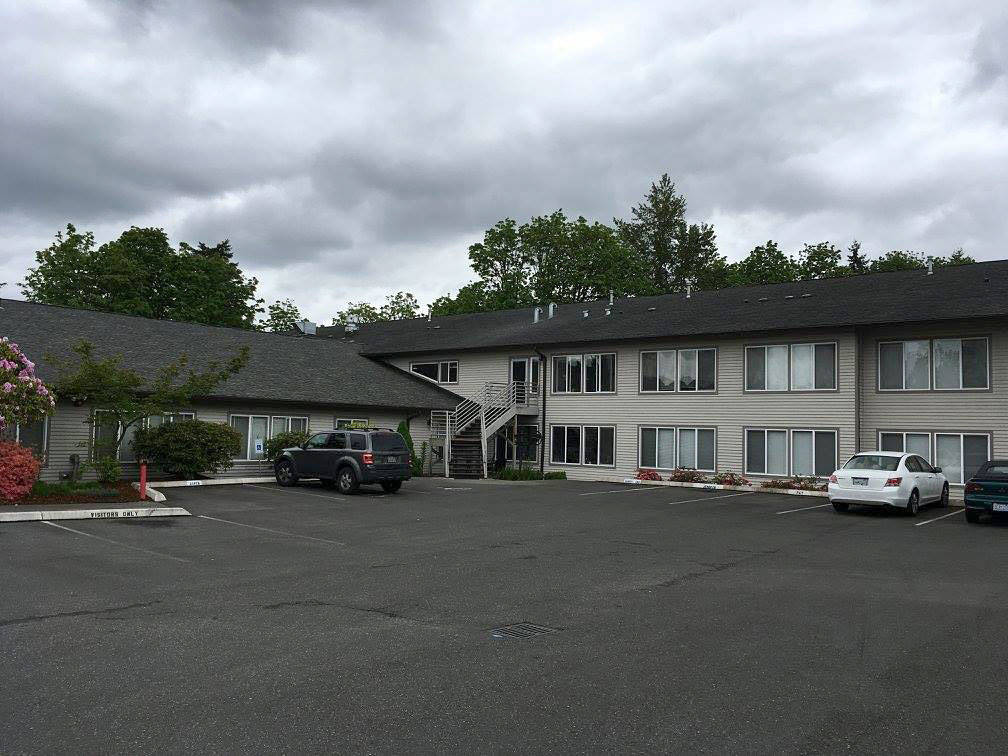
(888, 479)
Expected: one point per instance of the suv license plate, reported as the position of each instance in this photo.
(1000, 507)
(860, 481)
(391, 459)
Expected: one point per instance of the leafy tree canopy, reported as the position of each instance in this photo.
(141, 274)
(281, 316)
(399, 306)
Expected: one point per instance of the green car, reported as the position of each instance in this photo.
(987, 490)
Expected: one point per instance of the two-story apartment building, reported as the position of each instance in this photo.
(767, 381)
(778, 380)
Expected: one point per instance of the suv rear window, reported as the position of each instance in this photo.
(385, 442)
(872, 462)
(358, 442)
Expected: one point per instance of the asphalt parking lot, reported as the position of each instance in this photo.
(679, 620)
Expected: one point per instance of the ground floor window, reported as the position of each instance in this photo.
(33, 435)
(253, 430)
(525, 446)
(285, 424)
(908, 443)
(778, 451)
(960, 455)
(106, 441)
(345, 423)
(583, 445)
(669, 447)
(813, 452)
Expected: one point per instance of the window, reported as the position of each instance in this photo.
(565, 446)
(525, 370)
(254, 431)
(285, 424)
(678, 370)
(34, 436)
(908, 443)
(767, 368)
(904, 365)
(766, 451)
(318, 441)
(657, 448)
(358, 442)
(175, 417)
(696, 448)
(798, 367)
(813, 452)
(587, 373)
(960, 455)
(445, 371)
(527, 443)
(666, 448)
(599, 445)
(345, 423)
(960, 363)
(106, 433)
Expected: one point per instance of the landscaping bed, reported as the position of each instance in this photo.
(75, 494)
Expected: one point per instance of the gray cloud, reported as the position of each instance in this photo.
(351, 149)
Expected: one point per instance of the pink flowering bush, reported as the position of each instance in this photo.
(23, 397)
(728, 478)
(687, 475)
(18, 471)
(647, 475)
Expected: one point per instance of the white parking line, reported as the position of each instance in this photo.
(628, 489)
(117, 543)
(299, 493)
(935, 519)
(711, 498)
(271, 530)
(804, 509)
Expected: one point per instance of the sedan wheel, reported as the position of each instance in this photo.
(913, 506)
(972, 516)
(285, 474)
(841, 506)
(943, 502)
(347, 481)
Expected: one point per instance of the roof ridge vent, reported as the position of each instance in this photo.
(764, 299)
(930, 267)
(585, 313)
(536, 314)
(307, 327)
(551, 310)
(805, 296)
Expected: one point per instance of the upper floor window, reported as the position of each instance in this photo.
(791, 367)
(940, 364)
(444, 371)
(593, 373)
(678, 370)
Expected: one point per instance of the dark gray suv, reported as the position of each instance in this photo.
(346, 459)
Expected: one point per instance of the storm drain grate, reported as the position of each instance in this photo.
(522, 630)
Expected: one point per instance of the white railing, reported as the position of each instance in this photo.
(492, 406)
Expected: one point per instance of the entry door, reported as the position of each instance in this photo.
(254, 430)
(520, 374)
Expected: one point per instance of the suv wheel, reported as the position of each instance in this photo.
(285, 473)
(392, 486)
(346, 480)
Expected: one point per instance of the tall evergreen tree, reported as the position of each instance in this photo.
(856, 262)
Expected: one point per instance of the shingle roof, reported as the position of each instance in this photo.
(282, 368)
(964, 291)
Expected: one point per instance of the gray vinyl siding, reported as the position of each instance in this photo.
(729, 409)
(70, 432)
(968, 411)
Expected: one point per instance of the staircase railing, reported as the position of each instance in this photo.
(492, 406)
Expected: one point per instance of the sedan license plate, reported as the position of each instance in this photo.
(1000, 507)
(860, 481)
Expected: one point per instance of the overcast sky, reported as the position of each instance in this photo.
(351, 149)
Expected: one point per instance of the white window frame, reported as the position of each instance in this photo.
(249, 450)
(790, 368)
(443, 367)
(933, 373)
(696, 445)
(351, 420)
(676, 356)
(45, 437)
(531, 385)
(288, 420)
(814, 432)
(598, 428)
(566, 427)
(566, 358)
(787, 451)
(904, 434)
(678, 378)
(962, 451)
(676, 431)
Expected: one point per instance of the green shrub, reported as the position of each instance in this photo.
(107, 470)
(42, 488)
(189, 448)
(284, 440)
(417, 461)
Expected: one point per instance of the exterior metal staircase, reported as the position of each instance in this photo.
(466, 429)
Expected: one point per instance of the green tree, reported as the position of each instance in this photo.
(897, 259)
(958, 258)
(857, 263)
(281, 316)
(141, 274)
(766, 264)
(188, 448)
(672, 251)
(821, 260)
(399, 306)
(127, 396)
